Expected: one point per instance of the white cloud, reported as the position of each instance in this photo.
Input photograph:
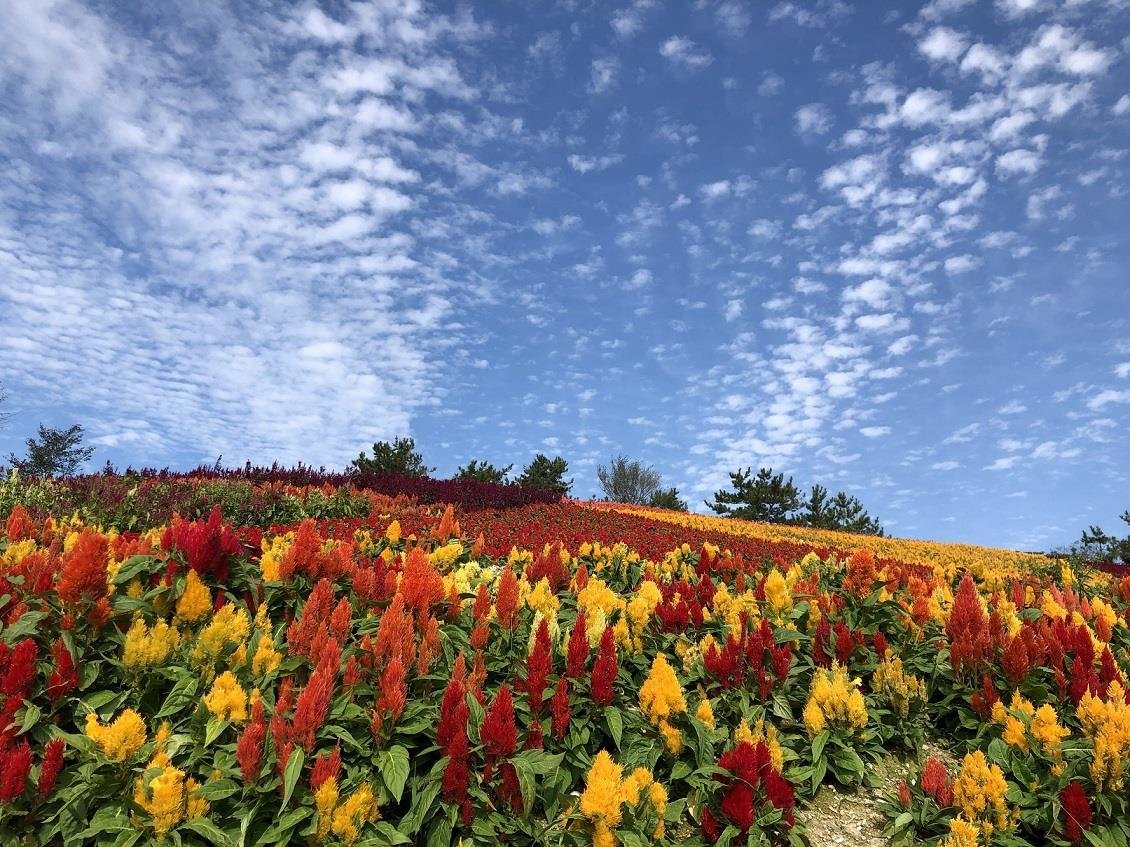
(1019, 161)
(874, 431)
(681, 51)
(813, 119)
(875, 293)
(961, 264)
(1106, 397)
(943, 44)
(949, 465)
(602, 75)
(1002, 464)
(1122, 106)
(1122, 370)
(733, 310)
(1013, 407)
(585, 164)
(770, 84)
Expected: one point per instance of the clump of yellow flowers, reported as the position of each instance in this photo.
(778, 597)
(195, 601)
(1107, 725)
(120, 738)
(834, 702)
(227, 700)
(147, 647)
(346, 818)
(229, 626)
(661, 697)
(165, 794)
(978, 793)
(898, 687)
(607, 791)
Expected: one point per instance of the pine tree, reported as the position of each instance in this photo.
(397, 457)
(547, 474)
(476, 471)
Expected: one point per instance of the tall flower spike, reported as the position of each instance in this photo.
(605, 669)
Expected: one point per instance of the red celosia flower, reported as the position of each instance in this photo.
(481, 608)
(904, 794)
(208, 546)
(20, 526)
(935, 782)
(506, 603)
(394, 691)
(64, 679)
(421, 584)
(430, 646)
(453, 709)
(326, 766)
(780, 793)
(18, 668)
(880, 642)
(538, 666)
(1076, 812)
(308, 632)
(535, 740)
(968, 629)
(578, 652)
(510, 791)
(499, 733)
(51, 765)
(480, 635)
(15, 765)
(604, 669)
(83, 571)
(352, 674)
(457, 773)
(820, 643)
(559, 708)
(249, 748)
(396, 634)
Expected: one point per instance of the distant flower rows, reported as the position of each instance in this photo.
(397, 671)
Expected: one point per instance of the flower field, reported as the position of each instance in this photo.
(252, 660)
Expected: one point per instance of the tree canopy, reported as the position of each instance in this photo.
(668, 498)
(476, 471)
(399, 456)
(771, 498)
(56, 452)
(547, 474)
(628, 481)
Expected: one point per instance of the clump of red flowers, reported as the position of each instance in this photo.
(1076, 812)
(207, 546)
(752, 782)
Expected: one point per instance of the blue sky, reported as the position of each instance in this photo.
(879, 246)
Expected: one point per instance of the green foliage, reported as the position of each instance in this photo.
(547, 474)
(628, 481)
(476, 471)
(668, 498)
(56, 452)
(766, 497)
(399, 456)
(770, 498)
(1097, 546)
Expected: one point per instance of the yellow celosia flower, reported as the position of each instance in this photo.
(661, 696)
(704, 712)
(542, 599)
(444, 557)
(229, 626)
(197, 806)
(354, 812)
(834, 700)
(227, 700)
(777, 594)
(642, 606)
(145, 647)
(119, 739)
(195, 601)
(597, 595)
(162, 796)
(900, 688)
(962, 834)
(325, 800)
(978, 791)
(600, 802)
(266, 659)
(1046, 729)
(273, 552)
(392, 534)
(1107, 724)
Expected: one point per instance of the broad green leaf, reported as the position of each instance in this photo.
(213, 729)
(394, 768)
(182, 695)
(133, 566)
(28, 624)
(388, 835)
(291, 774)
(615, 723)
(32, 714)
(207, 830)
(423, 802)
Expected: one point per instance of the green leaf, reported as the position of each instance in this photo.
(280, 830)
(218, 789)
(394, 768)
(32, 714)
(133, 566)
(440, 833)
(28, 624)
(818, 743)
(207, 830)
(681, 770)
(213, 729)
(615, 723)
(182, 695)
(423, 802)
(388, 835)
(107, 819)
(291, 774)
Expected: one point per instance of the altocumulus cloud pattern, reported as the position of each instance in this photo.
(879, 245)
